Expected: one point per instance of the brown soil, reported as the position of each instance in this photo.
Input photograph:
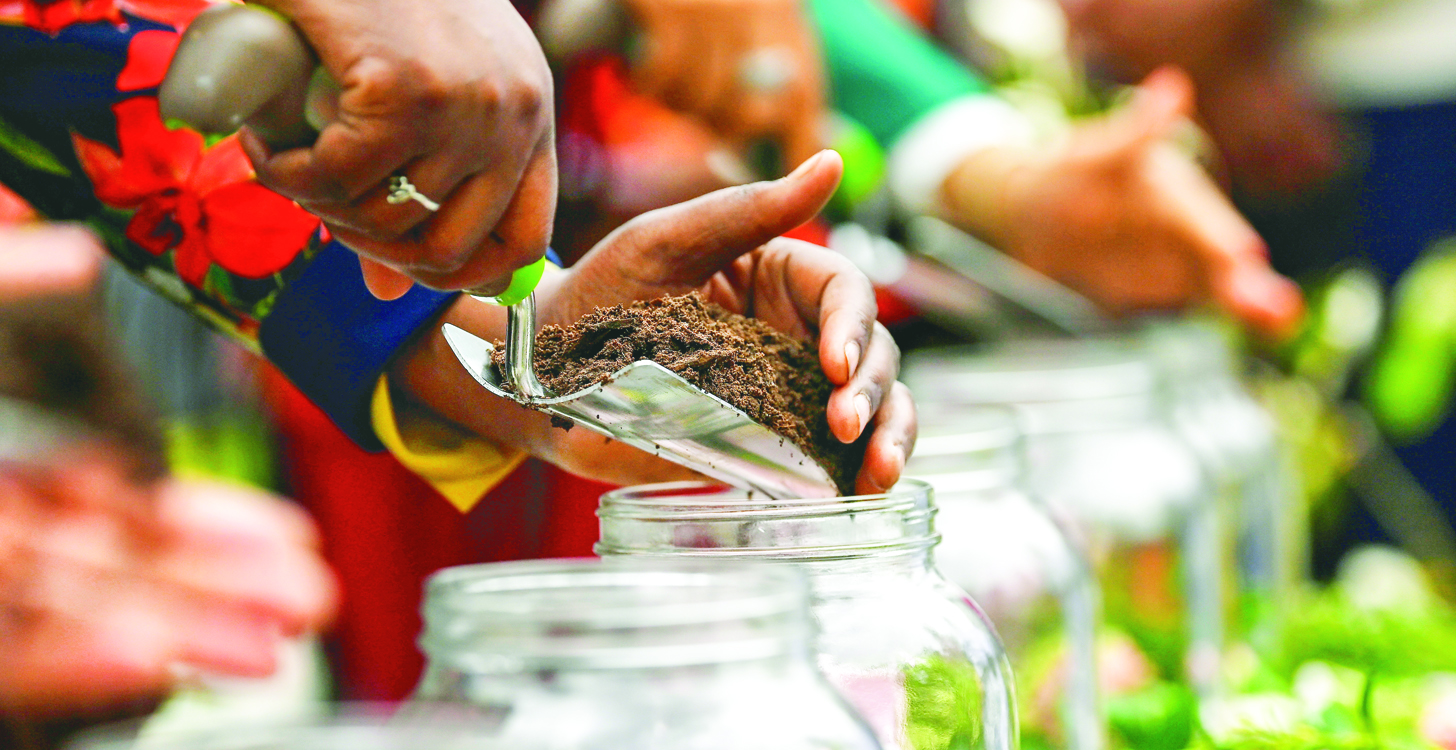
(774, 378)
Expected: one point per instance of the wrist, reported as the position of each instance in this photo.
(982, 194)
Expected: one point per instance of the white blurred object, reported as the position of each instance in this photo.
(298, 689)
(1384, 53)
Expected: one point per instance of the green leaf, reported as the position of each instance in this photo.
(29, 152)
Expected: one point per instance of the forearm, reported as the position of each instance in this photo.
(428, 380)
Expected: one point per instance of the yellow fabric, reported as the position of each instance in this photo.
(459, 466)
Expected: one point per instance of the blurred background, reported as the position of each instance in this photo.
(1199, 256)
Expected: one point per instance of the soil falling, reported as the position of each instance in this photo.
(774, 378)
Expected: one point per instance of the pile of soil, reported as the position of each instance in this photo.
(774, 378)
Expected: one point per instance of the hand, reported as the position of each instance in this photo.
(1122, 216)
(53, 345)
(456, 96)
(1270, 129)
(108, 578)
(749, 68)
(723, 245)
(106, 586)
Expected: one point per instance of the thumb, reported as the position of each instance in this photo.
(1162, 101)
(685, 244)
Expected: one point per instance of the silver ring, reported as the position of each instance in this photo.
(401, 191)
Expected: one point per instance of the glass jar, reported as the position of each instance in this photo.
(1237, 442)
(641, 654)
(344, 727)
(1018, 562)
(1099, 449)
(907, 648)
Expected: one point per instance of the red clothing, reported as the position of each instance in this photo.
(385, 530)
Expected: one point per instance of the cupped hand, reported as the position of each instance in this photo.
(106, 586)
(456, 96)
(749, 68)
(1123, 216)
(725, 245)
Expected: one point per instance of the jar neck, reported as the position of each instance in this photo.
(693, 520)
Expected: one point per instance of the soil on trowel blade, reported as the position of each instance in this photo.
(774, 378)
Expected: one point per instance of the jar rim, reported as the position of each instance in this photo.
(714, 501)
(611, 614)
(702, 519)
(1032, 372)
(509, 591)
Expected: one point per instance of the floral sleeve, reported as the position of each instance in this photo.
(82, 139)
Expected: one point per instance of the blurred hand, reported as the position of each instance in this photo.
(456, 96)
(1121, 215)
(108, 578)
(725, 245)
(749, 68)
(1270, 129)
(107, 586)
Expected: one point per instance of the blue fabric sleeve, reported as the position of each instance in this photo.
(333, 339)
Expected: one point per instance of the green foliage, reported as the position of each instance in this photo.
(1389, 642)
(29, 152)
(943, 705)
(1161, 716)
(1410, 384)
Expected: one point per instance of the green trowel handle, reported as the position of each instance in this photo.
(523, 282)
(241, 64)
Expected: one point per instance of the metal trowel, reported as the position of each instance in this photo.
(240, 65)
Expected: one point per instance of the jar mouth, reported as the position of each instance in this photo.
(699, 519)
(610, 614)
(707, 499)
(1031, 372)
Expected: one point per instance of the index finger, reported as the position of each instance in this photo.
(825, 287)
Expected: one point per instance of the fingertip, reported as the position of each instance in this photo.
(881, 470)
(1266, 301)
(827, 163)
(256, 149)
(1163, 99)
(383, 282)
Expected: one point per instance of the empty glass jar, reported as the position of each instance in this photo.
(1019, 563)
(641, 654)
(1100, 450)
(1236, 441)
(907, 648)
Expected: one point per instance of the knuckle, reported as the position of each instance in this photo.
(441, 255)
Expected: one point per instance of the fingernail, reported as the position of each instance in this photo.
(862, 411)
(851, 359)
(807, 166)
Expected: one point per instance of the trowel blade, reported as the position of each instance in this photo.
(649, 407)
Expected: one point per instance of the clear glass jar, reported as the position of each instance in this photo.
(1018, 562)
(320, 727)
(907, 648)
(1238, 444)
(641, 654)
(1101, 450)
